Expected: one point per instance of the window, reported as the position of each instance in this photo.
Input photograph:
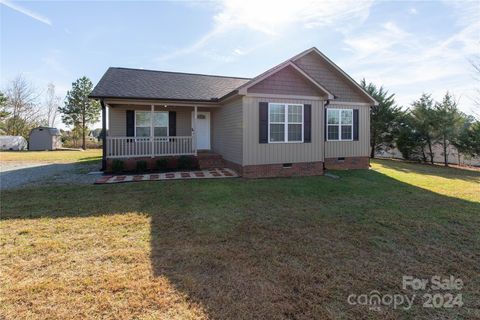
(285, 122)
(142, 123)
(339, 124)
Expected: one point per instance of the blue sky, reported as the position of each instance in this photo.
(409, 47)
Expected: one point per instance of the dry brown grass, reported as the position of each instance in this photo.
(74, 268)
(262, 249)
(52, 156)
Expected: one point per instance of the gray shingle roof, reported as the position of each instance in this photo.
(149, 84)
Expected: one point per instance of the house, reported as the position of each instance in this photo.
(44, 138)
(298, 118)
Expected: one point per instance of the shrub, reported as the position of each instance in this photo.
(184, 162)
(117, 165)
(172, 163)
(162, 164)
(141, 166)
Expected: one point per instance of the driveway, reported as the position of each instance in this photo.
(14, 174)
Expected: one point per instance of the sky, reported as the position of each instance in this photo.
(409, 47)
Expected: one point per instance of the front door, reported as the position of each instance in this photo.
(203, 130)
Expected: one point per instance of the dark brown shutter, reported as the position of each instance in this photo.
(307, 123)
(355, 124)
(130, 123)
(172, 123)
(263, 122)
(325, 125)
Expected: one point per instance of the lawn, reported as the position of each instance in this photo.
(250, 249)
(52, 156)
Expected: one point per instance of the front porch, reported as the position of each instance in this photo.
(140, 130)
(139, 147)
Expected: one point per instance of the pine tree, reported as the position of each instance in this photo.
(80, 111)
(383, 118)
(448, 122)
(423, 120)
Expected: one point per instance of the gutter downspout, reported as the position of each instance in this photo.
(104, 136)
(327, 102)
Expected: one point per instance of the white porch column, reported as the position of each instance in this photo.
(194, 124)
(152, 134)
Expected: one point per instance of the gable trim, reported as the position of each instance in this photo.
(330, 62)
(243, 89)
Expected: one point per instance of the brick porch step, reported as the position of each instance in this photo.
(210, 160)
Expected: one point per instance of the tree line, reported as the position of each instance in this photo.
(23, 108)
(415, 130)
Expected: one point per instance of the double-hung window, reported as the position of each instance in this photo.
(285, 122)
(339, 124)
(143, 123)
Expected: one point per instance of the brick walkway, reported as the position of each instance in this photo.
(200, 174)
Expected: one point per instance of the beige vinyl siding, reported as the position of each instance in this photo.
(360, 148)
(320, 70)
(227, 131)
(255, 153)
(118, 123)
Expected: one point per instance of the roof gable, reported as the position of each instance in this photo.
(287, 80)
(295, 73)
(326, 72)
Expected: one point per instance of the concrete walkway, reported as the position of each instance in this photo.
(200, 174)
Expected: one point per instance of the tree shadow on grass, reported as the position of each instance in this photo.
(292, 248)
(299, 256)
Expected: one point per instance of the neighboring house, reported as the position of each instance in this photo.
(44, 138)
(272, 125)
(95, 134)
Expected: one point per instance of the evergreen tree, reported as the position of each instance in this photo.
(80, 111)
(448, 122)
(468, 140)
(423, 120)
(383, 118)
(409, 140)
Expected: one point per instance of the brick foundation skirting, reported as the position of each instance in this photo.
(234, 166)
(278, 170)
(347, 163)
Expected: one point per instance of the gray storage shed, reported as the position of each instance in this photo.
(44, 138)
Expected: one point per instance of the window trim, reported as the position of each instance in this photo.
(286, 123)
(150, 126)
(339, 125)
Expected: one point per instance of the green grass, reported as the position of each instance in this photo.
(270, 248)
(52, 156)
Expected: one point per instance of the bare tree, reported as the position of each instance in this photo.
(52, 103)
(22, 107)
(476, 67)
